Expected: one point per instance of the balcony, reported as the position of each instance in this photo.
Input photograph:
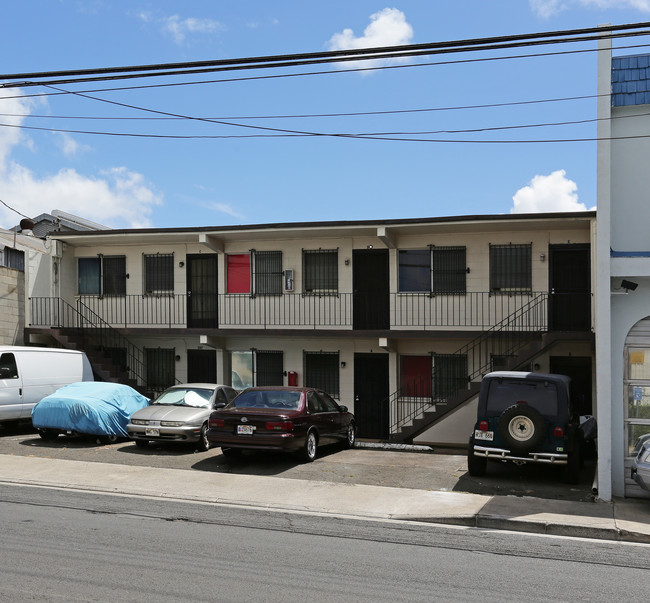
(407, 311)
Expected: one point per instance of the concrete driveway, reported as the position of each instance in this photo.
(437, 470)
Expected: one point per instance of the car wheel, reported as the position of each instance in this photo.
(351, 436)
(48, 436)
(231, 453)
(107, 439)
(204, 443)
(522, 428)
(310, 448)
(142, 443)
(476, 465)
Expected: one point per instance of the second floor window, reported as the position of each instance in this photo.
(102, 275)
(511, 268)
(320, 270)
(158, 273)
(257, 272)
(436, 270)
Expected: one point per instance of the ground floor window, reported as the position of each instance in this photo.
(637, 398)
(160, 368)
(322, 371)
(252, 368)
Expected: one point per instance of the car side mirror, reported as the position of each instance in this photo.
(219, 405)
(343, 408)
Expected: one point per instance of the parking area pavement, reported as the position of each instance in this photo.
(434, 470)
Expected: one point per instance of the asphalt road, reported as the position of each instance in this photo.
(440, 470)
(66, 545)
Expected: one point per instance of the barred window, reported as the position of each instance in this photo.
(320, 268)
(269, 368)
(160, 368)
(102, 275)
(511, 267)
(449, 374)
(158, 273)
(322, 371)
(438, 270)
(267, 270)
(12, 258)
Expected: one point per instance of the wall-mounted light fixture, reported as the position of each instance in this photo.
(347, 262)
(177, 357)
(343, 364)
(181, 264)
(369, 247)
(542, 257)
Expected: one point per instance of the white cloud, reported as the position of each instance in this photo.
(549, 8)
(70, 146)
(179, 28)
(115, 197)
(388, 27)
(551, 193)
(224, 208)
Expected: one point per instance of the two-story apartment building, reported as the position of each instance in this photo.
(398, 319)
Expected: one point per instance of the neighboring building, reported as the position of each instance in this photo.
(20, 256)
(399, 319)
(623, 267)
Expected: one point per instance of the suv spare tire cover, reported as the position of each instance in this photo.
(522, 427)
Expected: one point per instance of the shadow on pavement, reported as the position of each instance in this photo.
(540, 481)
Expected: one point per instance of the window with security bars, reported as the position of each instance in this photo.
(102, 275)
(269, 368)
(449, 374)
(322, 371)
(158, 273)
(160, 368)
(436, 270)
(12, 258)
(320, 269)
(511, 268)
(267, 272)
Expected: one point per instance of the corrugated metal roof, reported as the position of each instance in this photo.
(631, 80)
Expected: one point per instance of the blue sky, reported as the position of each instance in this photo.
(126, 181)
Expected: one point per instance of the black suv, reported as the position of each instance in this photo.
(526, 418)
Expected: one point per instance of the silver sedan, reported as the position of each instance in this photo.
(179, 414)
(641, 466)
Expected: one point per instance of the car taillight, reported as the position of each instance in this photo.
(212, 423)
(558, 432)
(279, 426)
(484, 426)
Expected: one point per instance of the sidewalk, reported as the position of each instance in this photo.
(624, 520)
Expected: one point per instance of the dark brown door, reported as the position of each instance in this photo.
(570, 288)
(371, 395)
(202, 290)
(371, 303)
(202, 366)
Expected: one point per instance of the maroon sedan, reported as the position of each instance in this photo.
(289, 419)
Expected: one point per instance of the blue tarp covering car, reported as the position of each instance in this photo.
(92, 407)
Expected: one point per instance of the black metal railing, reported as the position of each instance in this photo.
(407, 311)
(504, 339)
(93, 334)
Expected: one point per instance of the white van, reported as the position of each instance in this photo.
(29, 374)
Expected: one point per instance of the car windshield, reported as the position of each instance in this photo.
(268, 399)
(541, 395)
(199, 398)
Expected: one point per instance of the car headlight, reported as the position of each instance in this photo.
(172, 423)
(139, 422)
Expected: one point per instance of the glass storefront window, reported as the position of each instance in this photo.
(638, 401)
(638, 364)
(636, 435)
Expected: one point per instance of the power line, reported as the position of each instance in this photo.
(365, 54)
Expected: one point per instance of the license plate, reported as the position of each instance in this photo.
(483, 435)
(245, 429)
(150, 431)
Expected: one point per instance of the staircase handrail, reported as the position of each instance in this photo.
(421, 391)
